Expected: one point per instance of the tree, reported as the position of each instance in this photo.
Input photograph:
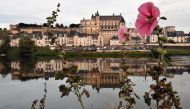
(24, 25)
(61, 26)
(45, 25)
(4, 45)
(26, 46)
(74, 25)
(57, 25)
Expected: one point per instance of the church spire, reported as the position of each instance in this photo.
(92, 16)
(97, 13)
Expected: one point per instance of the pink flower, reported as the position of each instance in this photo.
(123, 34)
(147, 18)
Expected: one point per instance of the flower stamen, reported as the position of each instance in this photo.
(150, 19)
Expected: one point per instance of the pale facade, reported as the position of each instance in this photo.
(14, 42)
(44, 41)
(170, 29)
(179, 39)
(88, 40)
(106, 26)
(154, 38)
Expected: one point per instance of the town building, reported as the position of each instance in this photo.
(66, 39)
(171, 34)
(105, 25)
(176, 36)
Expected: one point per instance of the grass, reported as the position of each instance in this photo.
(175, 52)
(38, 53)
(46, 53)
(84, 54)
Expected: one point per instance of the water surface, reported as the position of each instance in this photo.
(22, 82)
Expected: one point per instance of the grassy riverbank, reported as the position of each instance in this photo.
(85, 54)
(39, 53)
(175, 52)
(46, 53)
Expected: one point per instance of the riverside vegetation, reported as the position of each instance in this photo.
(45, 52)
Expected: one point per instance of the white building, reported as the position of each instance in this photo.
(14, 42)
(66, 39)
(177, 36)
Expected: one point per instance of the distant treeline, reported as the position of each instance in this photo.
(24, 25)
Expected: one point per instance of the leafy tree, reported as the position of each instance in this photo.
(24, 25)
(57, 25)
(4, 37)
(61, 26)
(45, 25)
(53, 18)
(5, 46)
(26, 46)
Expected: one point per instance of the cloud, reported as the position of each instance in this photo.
(72, 11)
(177, 12)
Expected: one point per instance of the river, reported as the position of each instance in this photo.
(24, 81)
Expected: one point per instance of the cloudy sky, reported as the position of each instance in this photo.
(72, 11)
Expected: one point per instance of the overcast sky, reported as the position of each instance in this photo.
(72, 11)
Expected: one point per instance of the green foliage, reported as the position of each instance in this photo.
(13, 53)
(65, 90)
(24, 25)
(44, 52)
(137, 54)
(53, 18)
(26, 46)
(162, 54)
(154, 53)
(127, 93)
(4, 43)
(5, 46)
(163, 18)
(61, 75)
(174, 52)
(163, 39)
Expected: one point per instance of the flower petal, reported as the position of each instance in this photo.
(146, 8)
(121, 33)
(155, 12)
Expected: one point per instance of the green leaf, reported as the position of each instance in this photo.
(154, 53)
(163, 39)
(163, 18)
(65, 90)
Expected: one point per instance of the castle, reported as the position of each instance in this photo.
(106, 26)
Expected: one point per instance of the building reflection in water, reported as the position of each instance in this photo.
(99, 72)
